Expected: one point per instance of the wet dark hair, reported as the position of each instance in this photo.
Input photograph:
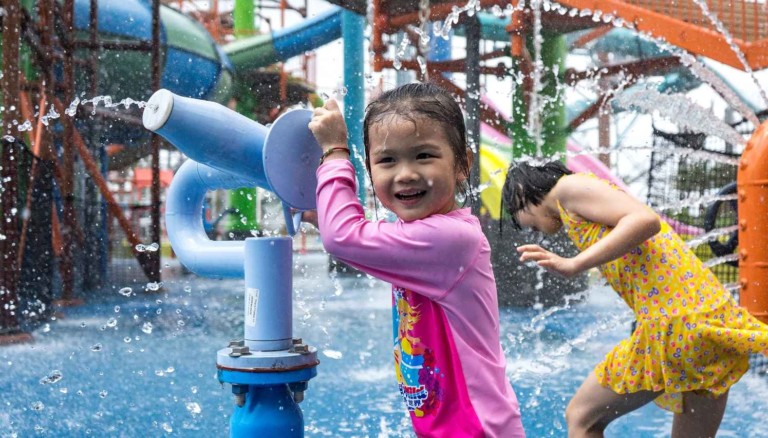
(528, 184)
(421, 100)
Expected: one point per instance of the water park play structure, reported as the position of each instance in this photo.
(194, 65)
(159, 47)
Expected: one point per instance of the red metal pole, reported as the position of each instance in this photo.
(68, 162)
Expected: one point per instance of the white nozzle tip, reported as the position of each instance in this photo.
(158, 109)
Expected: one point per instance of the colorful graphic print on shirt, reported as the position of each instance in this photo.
(415, 364)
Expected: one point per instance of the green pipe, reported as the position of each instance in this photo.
(244, 15)
(552, 110)
(244, 200)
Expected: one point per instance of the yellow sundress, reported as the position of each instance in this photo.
(690, 334)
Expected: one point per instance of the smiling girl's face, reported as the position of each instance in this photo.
(413, 168)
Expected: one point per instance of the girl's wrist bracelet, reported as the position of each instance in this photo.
(329, 151)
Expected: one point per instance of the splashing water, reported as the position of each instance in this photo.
(72, 109)
(333, 354)
(711, 236)
(52, 377)
(154, 285)
(695, 200)
(680, 110)
(535, 103)
(470, 8)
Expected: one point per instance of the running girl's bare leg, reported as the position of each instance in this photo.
(594, 407)
(701, 416)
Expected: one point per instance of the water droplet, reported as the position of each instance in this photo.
(72, 107)
(193, 408)
(147, 327)
(112, 322)
(52, 377)
(126, 291)
(38, 406)
(103, 393)
(333, 354)
(97, 347)
(26, 126)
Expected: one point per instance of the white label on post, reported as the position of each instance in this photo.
(251, 305)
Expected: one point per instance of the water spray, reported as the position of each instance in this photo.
(268, 369)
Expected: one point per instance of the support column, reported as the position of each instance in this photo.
(472, 104)
(352, 30)
(9, 232)
(154, 261)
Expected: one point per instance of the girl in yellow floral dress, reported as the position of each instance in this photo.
(691, 342)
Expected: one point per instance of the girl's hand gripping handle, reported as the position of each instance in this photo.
(329, 129)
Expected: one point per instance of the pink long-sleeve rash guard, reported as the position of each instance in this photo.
(448, 358)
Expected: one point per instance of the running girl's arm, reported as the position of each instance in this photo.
(633, 222)
(428, 255)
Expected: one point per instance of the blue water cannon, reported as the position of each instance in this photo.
(268, 369)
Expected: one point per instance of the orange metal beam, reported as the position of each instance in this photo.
(700, 39)
(591, 36)
(756, 54)
(696, 39)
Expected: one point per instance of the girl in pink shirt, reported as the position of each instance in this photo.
(449, 363)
